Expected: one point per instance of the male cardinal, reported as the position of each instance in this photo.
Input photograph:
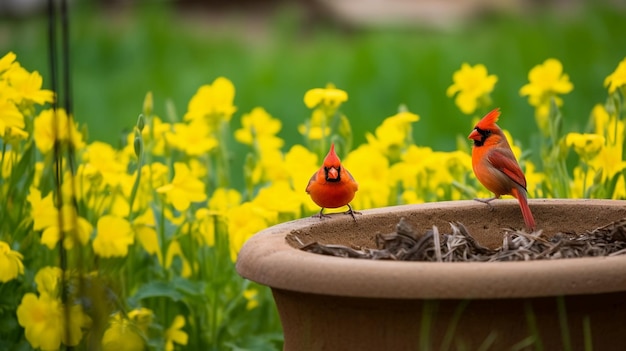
(332, 185)
(495, 165)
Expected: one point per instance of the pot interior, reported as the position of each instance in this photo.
(485, 224)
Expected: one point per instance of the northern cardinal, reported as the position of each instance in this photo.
(332, 185)
(495, 165)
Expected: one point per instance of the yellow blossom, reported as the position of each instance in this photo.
(145, 232)
(224, 199)
(587, 146)
(142, 318)
(122, 335)
(279, 197)
(194, 138)
(45, 132)
(546, 80)
(617, 78)
(251, 296)
(46, 217)
(48, 280)
(534, 180)
(175, 333)
(174, 250)
(184, 188)
(243, 222)
(28, 85)
(300, 164)
(7, 61)
(114, 236)
(213, 103)
(204, 226)
(260, 127)
(316, 128)
(473, 85)
(45, 324)
(105, 160)
(10, 263)
(393, 134)
(328, 97)
(10, 115)
(370, 168)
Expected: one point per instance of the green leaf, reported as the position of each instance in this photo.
(156, 289)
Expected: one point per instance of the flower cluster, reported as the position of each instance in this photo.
(132, 248)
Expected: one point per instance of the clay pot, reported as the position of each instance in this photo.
(333, 303)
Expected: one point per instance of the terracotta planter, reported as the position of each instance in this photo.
(332, 303)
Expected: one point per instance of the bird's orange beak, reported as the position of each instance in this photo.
(474, 135)
(333, 173)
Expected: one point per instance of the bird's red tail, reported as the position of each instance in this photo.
(523, 204)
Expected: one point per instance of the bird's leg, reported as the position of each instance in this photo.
(321, 215)
(352, 212)
(488, 201)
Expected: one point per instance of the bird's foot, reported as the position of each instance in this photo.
(352, 212)
(321, 215)
(487, 201)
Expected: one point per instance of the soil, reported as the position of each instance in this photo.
(472, 232)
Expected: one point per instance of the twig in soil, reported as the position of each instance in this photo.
(406, 244)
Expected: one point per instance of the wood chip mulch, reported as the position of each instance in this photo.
(458, 245)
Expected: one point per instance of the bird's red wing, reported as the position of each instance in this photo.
(507, 165)
(311, 181)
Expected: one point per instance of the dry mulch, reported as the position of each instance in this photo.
(458, 245)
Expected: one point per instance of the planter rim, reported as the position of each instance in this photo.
(268, 259)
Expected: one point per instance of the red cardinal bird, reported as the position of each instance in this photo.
(495, 165)
(332, 186)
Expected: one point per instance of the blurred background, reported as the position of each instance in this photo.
(383, 53)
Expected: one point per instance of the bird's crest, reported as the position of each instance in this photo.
(489, 120)
(332, 160)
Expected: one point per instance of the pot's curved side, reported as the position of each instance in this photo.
(268, 259)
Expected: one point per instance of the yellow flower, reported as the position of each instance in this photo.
(48, 280)
(122, 335)
(393, 134)
(213, 103)
(45, 131)
(184, 188)
(370, 168)
(174, 250)
(45, 216)
(260, 127)
(175, 333)
(300, 164)
(243, 222)
(10, 115)
(114, 236)
(251, 296)
(328, 97)
(143, 225)
(316, 128)
(10, 263)
(7, 61)
(279, 197)
(106, 161)
(194, 138)
(27, 85)
(142, 318)
(224, 199)
(617, 78)
(545, 81)
(585, 145)
(472, 84)
(43, 319)
(534, 180)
